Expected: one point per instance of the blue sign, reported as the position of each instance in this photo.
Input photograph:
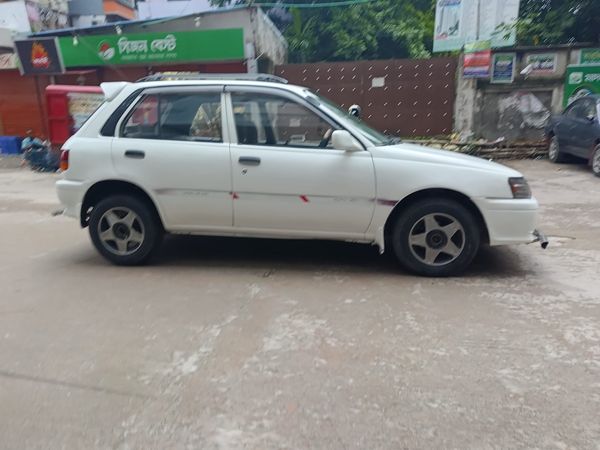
(503, 68)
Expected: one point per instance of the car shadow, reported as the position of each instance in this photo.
(269, 255)
(272, 254)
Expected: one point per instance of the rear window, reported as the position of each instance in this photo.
(178, 116)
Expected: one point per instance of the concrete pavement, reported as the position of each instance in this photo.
(226, 343)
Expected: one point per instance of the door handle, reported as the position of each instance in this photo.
(249, 161)
(135, 154)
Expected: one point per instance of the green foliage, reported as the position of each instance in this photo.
(559, 21)
(376, 30)
(404, 28)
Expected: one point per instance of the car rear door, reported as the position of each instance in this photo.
(286, 179)
(172, 144)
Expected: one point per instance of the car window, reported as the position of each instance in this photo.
(143, 119)
(272, 120)
(582, 109)
(589, 108)
(178, 116)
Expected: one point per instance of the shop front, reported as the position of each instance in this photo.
(237, 40)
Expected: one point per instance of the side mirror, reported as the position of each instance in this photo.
(343, 140)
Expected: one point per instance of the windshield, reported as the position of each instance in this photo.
(371, 134)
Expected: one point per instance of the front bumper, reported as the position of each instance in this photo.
(70, 193)
(509, 221)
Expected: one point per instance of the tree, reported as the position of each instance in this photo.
(375, 30)
(559, 21)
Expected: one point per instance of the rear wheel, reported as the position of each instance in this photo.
(554, 153)
(125, 230)
(436, 237)
(596, 161)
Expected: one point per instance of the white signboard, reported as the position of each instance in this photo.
(460, 21)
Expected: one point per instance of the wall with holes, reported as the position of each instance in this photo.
(401, 97)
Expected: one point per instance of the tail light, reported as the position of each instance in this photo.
(64, 160)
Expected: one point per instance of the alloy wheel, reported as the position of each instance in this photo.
(437, 239)
(121, 231)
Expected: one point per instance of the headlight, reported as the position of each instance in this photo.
(519, 187)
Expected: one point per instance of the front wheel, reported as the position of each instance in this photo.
(554, 153)
(596, 161)
(125, 230)
(436, 237)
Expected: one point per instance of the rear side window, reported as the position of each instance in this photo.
(111, 124)
(182, 117)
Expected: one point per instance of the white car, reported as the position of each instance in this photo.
(256, 157)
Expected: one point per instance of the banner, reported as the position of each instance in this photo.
(503, 68)
(39, 56)
(589, 56)
(581, 81)
(541, 63)
(477, 60)
(153, 48)
(460, 21)
(448, 34)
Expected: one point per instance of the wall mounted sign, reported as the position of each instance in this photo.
(39, 56)
(153, 48)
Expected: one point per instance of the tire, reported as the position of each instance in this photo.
(125, 230)
(554, 153)
(595, 161)
(436, 238)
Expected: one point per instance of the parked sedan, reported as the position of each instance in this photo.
(576, 132)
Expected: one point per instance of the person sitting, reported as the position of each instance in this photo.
(36, 154)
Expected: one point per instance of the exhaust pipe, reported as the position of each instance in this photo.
(541, 238)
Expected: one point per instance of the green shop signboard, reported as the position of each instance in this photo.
(153, 48)
(590, 56)
(581, 80)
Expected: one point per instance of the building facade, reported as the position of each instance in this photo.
(154, 9)
(88, 13)
(233, 40)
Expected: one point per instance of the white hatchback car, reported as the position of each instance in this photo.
(254, 156)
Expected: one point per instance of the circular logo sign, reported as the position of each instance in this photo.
(105, 51)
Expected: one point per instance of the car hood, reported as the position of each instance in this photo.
(420, 153)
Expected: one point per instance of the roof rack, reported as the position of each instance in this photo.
(170, 76)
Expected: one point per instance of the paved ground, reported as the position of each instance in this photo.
(252, 344)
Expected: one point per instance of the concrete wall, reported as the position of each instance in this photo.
(153, 9)
(13, 15)
(516, 111)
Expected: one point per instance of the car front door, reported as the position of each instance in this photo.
(172, 144)
(287, 178)
(585, 129)
(566, 127)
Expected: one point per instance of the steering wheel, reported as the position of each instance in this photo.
(326, 138)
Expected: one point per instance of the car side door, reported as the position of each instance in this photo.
(565, 127)
(585, 131)
(287, 177)
(172, 144)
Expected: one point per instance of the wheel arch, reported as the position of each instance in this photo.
(103, 189)
(437, 193)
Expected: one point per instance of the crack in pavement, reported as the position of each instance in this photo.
(69, 384)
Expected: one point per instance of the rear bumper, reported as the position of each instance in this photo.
(70, 193)
(509, 221)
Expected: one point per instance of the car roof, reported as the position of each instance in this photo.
(300, 90)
